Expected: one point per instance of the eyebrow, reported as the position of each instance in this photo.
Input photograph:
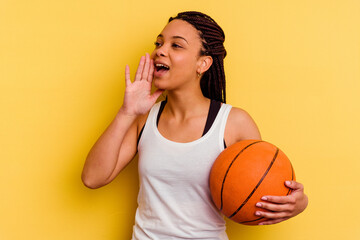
(160, 35)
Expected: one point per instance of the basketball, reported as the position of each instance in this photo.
(245, 172)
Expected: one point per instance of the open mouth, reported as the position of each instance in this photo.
(159, 67)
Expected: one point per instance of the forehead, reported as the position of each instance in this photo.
(181, 28)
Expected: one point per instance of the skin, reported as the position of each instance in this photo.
(182, 120)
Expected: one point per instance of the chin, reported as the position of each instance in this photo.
(159, 83)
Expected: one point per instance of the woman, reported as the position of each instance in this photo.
(179, 139)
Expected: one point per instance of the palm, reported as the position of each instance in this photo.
(138, 98)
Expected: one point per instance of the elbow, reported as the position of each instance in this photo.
(90, 183)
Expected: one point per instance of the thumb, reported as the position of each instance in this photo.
(294, 185)
(156, 95)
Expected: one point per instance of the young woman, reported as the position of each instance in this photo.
(179, 139)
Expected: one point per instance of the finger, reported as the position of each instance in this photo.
(294, 185)
(274, 207)
(272, 215)
(127, 76)
(279, 199)
(145, 73)
(151, 71)
(140, 69)
(273, 221)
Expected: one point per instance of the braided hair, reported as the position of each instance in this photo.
(212, 36)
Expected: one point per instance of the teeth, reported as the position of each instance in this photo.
(161, 65)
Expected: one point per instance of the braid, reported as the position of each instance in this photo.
(213, 81)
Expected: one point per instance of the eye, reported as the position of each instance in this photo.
(157, 44)
(176, 45)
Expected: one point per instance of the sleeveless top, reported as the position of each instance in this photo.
(174, 200)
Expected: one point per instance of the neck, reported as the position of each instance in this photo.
(186, 104)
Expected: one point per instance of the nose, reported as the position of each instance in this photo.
(161, 51)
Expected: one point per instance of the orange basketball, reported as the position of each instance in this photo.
(245, 172)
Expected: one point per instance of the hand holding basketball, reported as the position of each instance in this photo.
(282, 208)
(247, 184)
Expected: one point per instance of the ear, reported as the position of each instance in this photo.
(204, 63)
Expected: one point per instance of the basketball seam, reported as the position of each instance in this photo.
(292, 178)
(223, 182)
(252, 220)
(253, 191)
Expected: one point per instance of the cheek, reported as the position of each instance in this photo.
(184, 64)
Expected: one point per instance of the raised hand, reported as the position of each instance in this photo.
(138, 98)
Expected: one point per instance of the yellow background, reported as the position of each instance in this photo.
(293, 65)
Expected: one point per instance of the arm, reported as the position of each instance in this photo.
(240, 126)
(112, 151)
(117, 146)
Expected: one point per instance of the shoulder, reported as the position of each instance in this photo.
(238, 115)
(240, 126)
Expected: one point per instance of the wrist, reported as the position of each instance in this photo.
(124, 113)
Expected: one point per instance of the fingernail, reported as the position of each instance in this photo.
(257, 214)
(264, 198)
(260, 224)
(287, 182)
(258, 204)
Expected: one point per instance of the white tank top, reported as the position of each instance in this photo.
(174, 200)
